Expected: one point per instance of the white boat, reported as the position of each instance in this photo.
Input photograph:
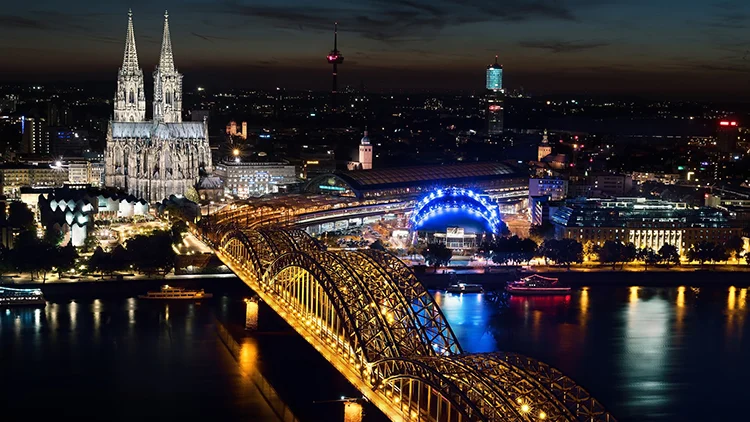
(176, 293)
(465, 288)
(537, 285)
(21, 297)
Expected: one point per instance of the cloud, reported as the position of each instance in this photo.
(406, 20)
(563, 46)
(211, 38)
(19, 22)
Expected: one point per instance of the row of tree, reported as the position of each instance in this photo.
(565, 252)
(38, 257)
(148, 254)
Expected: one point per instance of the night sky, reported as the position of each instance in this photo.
(671, 48)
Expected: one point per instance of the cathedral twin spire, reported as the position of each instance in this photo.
(130, 101)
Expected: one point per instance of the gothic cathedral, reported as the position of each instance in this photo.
(158, 158)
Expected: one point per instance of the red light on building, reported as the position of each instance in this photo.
(705, 196)
(732, 123)
(727, 123)
(495, 108)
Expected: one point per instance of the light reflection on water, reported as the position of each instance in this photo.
(658, 354)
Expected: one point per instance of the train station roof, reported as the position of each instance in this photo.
(418, 177)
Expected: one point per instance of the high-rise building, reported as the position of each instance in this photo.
(130, 99)
(727, 135)
(35, 136)
(494, 99)
(365, 153)
(153, 160)
(545, 148)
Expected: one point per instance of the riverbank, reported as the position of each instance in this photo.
(601, 277)
(218, 284)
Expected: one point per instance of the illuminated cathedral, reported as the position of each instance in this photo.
(161, 157)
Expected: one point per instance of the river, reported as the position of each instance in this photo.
(648, 354)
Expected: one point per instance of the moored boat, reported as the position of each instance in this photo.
(464, 288)
(21, 297)
(536, 284)
(176, 293)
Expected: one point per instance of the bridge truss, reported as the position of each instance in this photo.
(371, 318)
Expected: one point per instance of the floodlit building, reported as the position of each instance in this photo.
(158, 158)
(249, 179)
(643, 222)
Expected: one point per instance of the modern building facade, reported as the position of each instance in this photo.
(159, 158)
(554, 188)
(245, 180)
(643, 222)
(494, 99)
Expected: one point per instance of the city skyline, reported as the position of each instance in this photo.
(576, 46)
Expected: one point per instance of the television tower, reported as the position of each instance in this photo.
(335, 58)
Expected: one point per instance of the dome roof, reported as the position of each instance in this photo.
(365, 139)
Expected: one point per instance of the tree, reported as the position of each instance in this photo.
(64, 258)
(437, 254)
(719, 254)
(609, 252)
(648, 256)
(542, 232)
(571, 251)
(628, 253)
(563, 252)
(614, 252)
(701, 252)
(179, 228)
(100, 262)
(32, 255)
(53, 235)
(152, 253)
(735, 245)
(20, 216)
(668, 255)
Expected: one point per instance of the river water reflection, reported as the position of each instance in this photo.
(648, 354)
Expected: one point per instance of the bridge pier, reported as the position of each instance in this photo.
(251, 314)
(352, 411)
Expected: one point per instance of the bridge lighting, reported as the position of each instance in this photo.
(542, 415)
(525, 408)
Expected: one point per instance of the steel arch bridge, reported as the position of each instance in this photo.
(371, 318)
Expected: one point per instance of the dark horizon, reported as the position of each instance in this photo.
(579, 47)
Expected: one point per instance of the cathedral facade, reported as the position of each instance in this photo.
(161, 157)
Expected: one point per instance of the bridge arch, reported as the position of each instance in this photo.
(329, 273)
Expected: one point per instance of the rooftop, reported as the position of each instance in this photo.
(445, 175)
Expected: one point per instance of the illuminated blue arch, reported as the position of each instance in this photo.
(457, 200)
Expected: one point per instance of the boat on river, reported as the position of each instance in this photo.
(21, 297)
(464, 288)
(537, 285)
(176, 293)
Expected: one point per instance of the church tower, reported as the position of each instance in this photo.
(365, 153)
(167, 83)
(130, 100)
(545, 148)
